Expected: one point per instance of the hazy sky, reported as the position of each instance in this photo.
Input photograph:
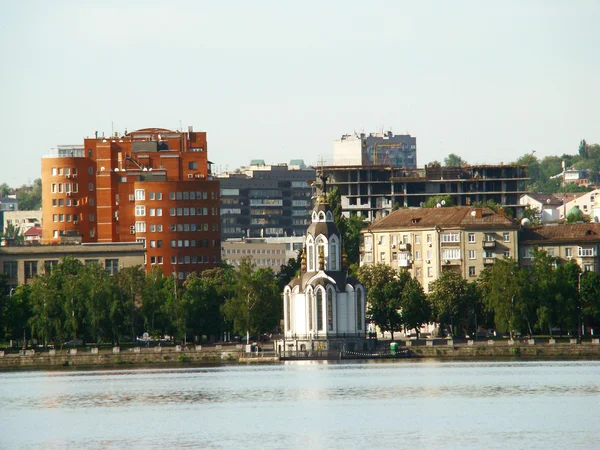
(281, 80)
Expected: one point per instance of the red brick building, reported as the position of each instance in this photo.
(151, 185)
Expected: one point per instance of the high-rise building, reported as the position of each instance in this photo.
(152, 186)
(266, 200)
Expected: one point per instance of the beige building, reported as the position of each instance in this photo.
(265, 252)
(576, 241)
(22, 263)
(22, 220)
(426, 241)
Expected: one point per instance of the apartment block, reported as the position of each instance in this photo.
(577, 241)
(263, 200)
(153, 186)
(427, 241)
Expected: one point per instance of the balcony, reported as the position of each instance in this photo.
(404, 247)
(404, 262)
(451, 262)
(489, 244)
(488, 261)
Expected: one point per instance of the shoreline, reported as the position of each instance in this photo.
(218, 355)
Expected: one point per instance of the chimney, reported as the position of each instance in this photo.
(478, 213)
(501, 212)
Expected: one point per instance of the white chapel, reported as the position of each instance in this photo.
(323, 308)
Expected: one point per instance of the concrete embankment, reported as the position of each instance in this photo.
(89, 357)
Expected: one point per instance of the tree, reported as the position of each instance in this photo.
(415, 309)
(30, 197)
(442, 200)
(583, 150)
(288, 271)
(453, 160)
(101, 289)
(255, 305)
(501, 286)
(349, 228)
(131, 282)
(204, 305)
(451, 301)
(153, 300)
(14, 310)
(589, 289)
(4, 190)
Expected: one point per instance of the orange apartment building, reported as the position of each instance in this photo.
(151, 185)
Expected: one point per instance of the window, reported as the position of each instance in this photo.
(179, 196)
(429, 239)
(152, 196)
(359, 308)
(92, 217)
(159, 228)
(418, 239)
(160, 259)
(140, 194)
(171, 211)
(471, 238)
(588, 267)
(394, 256)
(550, 252)
(141, 241)
(506, 237)
(54, 188)
(152, 244)
(582, 251)
(451, 253)
(471, 271)
(140, 227)
(153, 260)
(173, 243)
(472, 254)
(382, 256)
(55, 218)
(451, 237)
(418, 255)
(319, 310)
(91, 186)
(54, 172)
(49, 265)
(10, 269)
(30, 269)
(112, 266)
(140, 210)
(159, 212)
(418, 272)
(159, 197)
(171, 195)
(507, 253)
(429, 271)
(489, 237)
(151, 212)
(569, 252)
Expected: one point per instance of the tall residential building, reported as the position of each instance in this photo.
(376, 149)
(152, 186)
(375, 190)
(266, 200)
(427, 241)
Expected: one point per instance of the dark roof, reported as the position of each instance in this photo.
(546, 199)
(454, 216)
(565, 233)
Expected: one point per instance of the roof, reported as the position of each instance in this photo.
(546, 199)
(33, 231)
(321, 278)
(454, 216)
(565, 233)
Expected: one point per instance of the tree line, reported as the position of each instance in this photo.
(539, 299)
(83, 302)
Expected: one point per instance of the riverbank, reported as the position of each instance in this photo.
(86, 357)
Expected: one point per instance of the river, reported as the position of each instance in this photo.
(366, 405)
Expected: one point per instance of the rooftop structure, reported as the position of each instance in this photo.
(386, 149)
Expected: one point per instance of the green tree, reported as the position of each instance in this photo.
(415, 309)
(583, 150)
(589, 289)
(384, 295)
(442, 200)
(131, 281)
(4, 190)
(100, 290)
(204, 305)
(255, 305)
(453, 160)
(288, 271)
(30, 197)
(153, 300)
(451, 301)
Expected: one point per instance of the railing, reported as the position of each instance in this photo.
(489, 244)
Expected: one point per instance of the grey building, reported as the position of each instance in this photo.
(266, 200)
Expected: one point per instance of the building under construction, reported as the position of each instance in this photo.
(374, 190)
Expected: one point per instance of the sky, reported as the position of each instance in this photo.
(277, 80)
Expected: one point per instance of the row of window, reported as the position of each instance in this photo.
(192, 211)
(261, 262)
(70, 217)
(140, 194)
(528, 252)
(68, 171)
(447, 253)
(31, 267)
(140, 227)
(68, 202)
(59, 188)
(56, 233)
(253, 251)
(447, 237)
